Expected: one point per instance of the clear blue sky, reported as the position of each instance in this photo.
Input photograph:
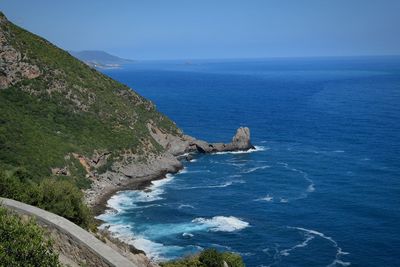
(184, 29)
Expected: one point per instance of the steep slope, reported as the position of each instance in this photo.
(61, 117)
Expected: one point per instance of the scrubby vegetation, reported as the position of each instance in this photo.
(69, 108)
(23, 243)
(57, 196)
(208, 258)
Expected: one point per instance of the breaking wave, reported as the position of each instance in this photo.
(125, 200)
(222, 223)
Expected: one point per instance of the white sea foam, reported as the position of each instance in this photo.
(185, 206)
(338, 151)
(153, 249)
(311, 186)
(226, 184)
(238, 165)
(284, 200)
(256, 168)
(129, 199)
(187, 235)
(286, 252)
(310, 234)
(267, 198)
(222, 223)
(255, 149)
(119, 201)
(235, 176)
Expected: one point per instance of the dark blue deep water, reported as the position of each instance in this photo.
(323, 186)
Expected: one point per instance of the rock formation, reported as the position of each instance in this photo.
(13, 66)
(240, 142)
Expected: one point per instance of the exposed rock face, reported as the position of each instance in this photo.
(129, 170)
(13, 66)
(240, 142)
(126, 172)
(177, 145)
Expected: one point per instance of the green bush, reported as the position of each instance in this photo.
(192, 261)
(211, 258)
(22, 243)
(207, 258)
(57, 196)
(232, 259)
(63, 198)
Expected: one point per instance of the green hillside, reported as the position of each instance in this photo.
(53, 105)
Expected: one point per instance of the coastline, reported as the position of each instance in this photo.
(139, 183)
(139, 176)
(134, 176)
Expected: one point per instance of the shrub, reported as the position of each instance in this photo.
(211, 258)
(192, 261)
(65, 199)
(232, 259)
(57, 196)
(22, 243)
(207, 258)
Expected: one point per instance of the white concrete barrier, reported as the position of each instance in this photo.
(105, 253)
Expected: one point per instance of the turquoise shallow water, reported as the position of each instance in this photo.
(321, 189)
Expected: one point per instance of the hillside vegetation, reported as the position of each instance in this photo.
(53, 105)
(57, 115)
(23, 243)
(208, 258)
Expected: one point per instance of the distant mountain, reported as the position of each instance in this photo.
(100, 59)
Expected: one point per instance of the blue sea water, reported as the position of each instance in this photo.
(321, 189)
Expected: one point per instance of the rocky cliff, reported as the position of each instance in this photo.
(61, 118)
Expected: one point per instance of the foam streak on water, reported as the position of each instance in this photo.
(311, 186)
(310, 234)
(255, 149)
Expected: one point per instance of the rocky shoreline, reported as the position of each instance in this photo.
(138, 176)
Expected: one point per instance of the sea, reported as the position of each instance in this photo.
(321, 187)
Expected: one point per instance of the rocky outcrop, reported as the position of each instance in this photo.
(240, 142)
(131, 172)
(14, 66)
(179, 144)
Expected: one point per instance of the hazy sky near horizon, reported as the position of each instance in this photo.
(183, 29)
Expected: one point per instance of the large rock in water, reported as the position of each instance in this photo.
(240, 142)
